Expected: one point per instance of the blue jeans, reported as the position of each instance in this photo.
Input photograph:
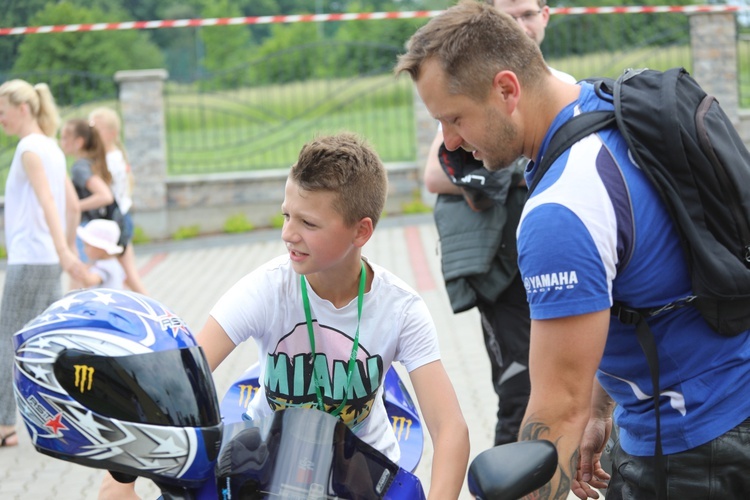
(719, 469)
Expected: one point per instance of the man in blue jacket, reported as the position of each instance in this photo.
(476, 214)
(595, 231)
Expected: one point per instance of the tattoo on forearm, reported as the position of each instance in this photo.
(538, 430)
(533, 430)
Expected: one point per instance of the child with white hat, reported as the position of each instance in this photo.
(100, 237)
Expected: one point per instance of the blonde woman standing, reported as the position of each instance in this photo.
(107, 123)
(41, 216)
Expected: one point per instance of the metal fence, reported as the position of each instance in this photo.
(258, 115)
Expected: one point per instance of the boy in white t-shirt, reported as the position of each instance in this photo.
(100, 237)
(323, 303)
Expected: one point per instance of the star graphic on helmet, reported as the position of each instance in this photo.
(39, 371)
(104, 298)
(88, 423)
(67, 302)
(168, 448)
(55, 424)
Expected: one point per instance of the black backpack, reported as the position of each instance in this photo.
(686, 145)
(688, 148)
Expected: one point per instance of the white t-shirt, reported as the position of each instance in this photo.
(120, 180)
(27, 235)
(561, 75)
(111, 273)
(396, 326)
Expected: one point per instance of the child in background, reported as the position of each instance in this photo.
(107, 122)
(89, 172)
(323, 304)
(100, 237)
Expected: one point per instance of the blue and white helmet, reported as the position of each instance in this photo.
(112, 379)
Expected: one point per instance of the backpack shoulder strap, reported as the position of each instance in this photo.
(569, 133)
(648, 346)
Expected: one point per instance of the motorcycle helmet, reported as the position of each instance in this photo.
(112, 379)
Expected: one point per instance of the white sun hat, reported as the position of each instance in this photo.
(101, 233)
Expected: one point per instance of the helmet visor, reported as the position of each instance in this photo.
(172, 388)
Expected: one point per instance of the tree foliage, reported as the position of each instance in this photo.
(69, 54)
(378, 41)
(224, 45)
(573, 34)
(15, 13)
(285, 55)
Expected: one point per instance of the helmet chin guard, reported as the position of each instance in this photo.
(112, 379)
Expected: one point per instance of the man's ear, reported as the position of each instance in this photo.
(364, 230)
(506, 88)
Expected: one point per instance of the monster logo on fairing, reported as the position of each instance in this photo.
(247, 392)
(401, 427)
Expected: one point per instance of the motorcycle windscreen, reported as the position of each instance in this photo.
(172, 388)
(300, 453)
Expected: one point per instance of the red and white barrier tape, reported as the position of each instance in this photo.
(315, 18)
(653, 9)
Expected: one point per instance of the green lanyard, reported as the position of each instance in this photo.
(355, 347)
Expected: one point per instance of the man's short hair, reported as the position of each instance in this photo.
(347, 165)
(472, 42)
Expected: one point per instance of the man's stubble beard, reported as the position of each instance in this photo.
(505, 133)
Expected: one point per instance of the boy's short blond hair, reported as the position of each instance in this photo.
(347, 165)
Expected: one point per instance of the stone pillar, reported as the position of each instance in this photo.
(713, 41)
(142, 107)
(425, 128)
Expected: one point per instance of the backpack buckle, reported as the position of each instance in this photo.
(626, 315)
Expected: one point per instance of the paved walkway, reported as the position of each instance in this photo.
(190, 276)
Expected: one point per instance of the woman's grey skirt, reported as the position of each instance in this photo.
(27, 292)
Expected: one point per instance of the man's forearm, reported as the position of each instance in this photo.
(566, 442)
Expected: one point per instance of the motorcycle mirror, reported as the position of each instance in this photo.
(513, 470)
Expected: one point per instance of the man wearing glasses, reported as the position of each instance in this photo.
(465, 215)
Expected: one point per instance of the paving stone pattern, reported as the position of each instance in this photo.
(190, 276)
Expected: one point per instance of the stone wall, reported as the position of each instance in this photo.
(713, 42)
(144, 134)
(209, 200)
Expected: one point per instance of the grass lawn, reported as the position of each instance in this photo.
(260, 128)
(612, 63)
(276, 143)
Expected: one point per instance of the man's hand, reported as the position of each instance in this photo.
(590, 474)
